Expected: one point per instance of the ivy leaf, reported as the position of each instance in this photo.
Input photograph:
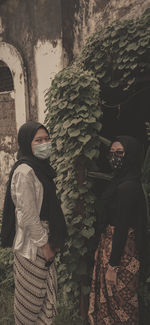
(62, 132)
(61, 267)
(84, 83)
(90, 120)
(84, 115)
(82, 108)
(113, 34)
(74, 96)
(70, 106)
(88, 221)
(121, 66)
(141, 51)
(87, 233)
(59, 144)
(133, 66)
(131, 81)
(114, 84)
(71, 230)
(63, 84)
(83, 189)
(98, 126)
(90, 154)
(97, 113)
(73, 133)
(84, 139)
(132, 47)
(101, 75)
(105, 141)
(123, 44)
(76, 120)
(77, 152)
(98, 66)
(76, 219)
(144, 42)
(126, 74)
(62, 105)
(67, 124)
(125, 60)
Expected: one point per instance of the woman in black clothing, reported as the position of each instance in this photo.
(120, 253)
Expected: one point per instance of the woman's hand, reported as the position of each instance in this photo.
(96, 255)
(111, 275)
(49, 253)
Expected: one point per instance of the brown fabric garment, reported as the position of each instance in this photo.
(110, 304)
(35, 291)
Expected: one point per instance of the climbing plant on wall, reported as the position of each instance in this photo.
(119, 56)
(72, 119)
(116, 58)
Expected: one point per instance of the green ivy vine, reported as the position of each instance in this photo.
(119, 55)
(116, 57)
(73, 115)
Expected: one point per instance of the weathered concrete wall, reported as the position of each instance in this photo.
(8, 145)
(49, 34)
(84, 17)
(13, 60)
(31, 46)
(37, 39)
(34, 29)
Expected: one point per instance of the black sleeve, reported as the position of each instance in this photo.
(125, 199)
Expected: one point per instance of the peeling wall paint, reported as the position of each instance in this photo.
(93, 13)
(6, 162)
(13, 60)
(8, 134)
(1, 28)
(48, 61)
(39, 38)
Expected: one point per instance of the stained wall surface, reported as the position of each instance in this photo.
(37, 39)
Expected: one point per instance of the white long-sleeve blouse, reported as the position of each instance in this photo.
(27, 195)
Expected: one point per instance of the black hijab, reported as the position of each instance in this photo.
(51, 209)
(130, 171)
(132, 163)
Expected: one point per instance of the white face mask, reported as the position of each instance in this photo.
(43, 150)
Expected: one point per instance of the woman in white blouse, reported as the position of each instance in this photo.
(37, 227)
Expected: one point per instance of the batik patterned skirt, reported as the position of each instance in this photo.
(115, 304)
(35, 291)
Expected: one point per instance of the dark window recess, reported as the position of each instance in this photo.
(6, 80)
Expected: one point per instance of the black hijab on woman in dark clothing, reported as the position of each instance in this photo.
(51, 209)
(126, 188)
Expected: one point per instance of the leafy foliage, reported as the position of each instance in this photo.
(114, 58)
(119, 55)
(72, 119)
(67, 313)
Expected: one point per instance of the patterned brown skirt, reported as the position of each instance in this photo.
(115, 304)
(35, 291)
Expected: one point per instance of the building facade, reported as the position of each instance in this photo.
(38, 38)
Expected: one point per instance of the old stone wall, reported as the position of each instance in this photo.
(90, 14)
(8, 132)
(31, 47)
(37, 39)
(34, 29)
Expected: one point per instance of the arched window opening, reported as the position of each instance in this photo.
(6, 80)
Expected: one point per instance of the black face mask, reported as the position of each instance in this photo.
(116, 162)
